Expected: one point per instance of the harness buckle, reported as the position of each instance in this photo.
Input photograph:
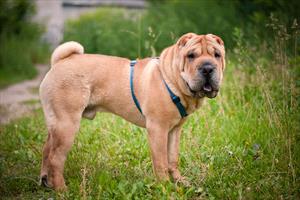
(132, 63)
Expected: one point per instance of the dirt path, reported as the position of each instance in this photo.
(20, 99)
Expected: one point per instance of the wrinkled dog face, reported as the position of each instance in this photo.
(202, 62)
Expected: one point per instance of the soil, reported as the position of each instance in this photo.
(21, 99)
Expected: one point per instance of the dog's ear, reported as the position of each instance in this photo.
(217, 38)
(181, 42)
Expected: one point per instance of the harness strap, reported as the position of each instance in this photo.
(132, 63)
(175, 99)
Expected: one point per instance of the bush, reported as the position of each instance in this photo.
(174, 18)
(20, 45)
(107, 31)
(145, 33)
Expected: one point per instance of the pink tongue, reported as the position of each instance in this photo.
(207, 88)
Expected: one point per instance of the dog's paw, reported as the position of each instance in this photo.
(44, 181)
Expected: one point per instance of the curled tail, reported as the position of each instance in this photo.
(65, 50)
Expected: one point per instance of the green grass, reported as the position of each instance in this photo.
(242, 145)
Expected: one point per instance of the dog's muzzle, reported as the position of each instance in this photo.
(207, 83)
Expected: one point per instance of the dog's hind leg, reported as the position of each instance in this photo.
(63, 121)
(44, 168)
(63, 107)
(58, 144)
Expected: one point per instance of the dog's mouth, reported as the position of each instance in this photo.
(207, 90)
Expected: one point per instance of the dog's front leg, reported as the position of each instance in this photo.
(173, 152)
(173, 155)
(158, 141)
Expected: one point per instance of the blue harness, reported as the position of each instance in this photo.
(175, 99)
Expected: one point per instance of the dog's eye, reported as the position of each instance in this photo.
(191, 56)
(217, 55)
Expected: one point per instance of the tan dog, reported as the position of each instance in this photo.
(79, 85)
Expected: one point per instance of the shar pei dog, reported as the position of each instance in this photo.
(155, 93)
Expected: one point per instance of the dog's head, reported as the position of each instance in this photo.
(201, 60)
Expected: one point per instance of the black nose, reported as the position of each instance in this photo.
(207, 69)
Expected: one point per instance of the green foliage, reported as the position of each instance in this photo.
(258, 10)
(13, 14)
(104, 32)
(146, 33)
(20, 45)
(172, 19)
